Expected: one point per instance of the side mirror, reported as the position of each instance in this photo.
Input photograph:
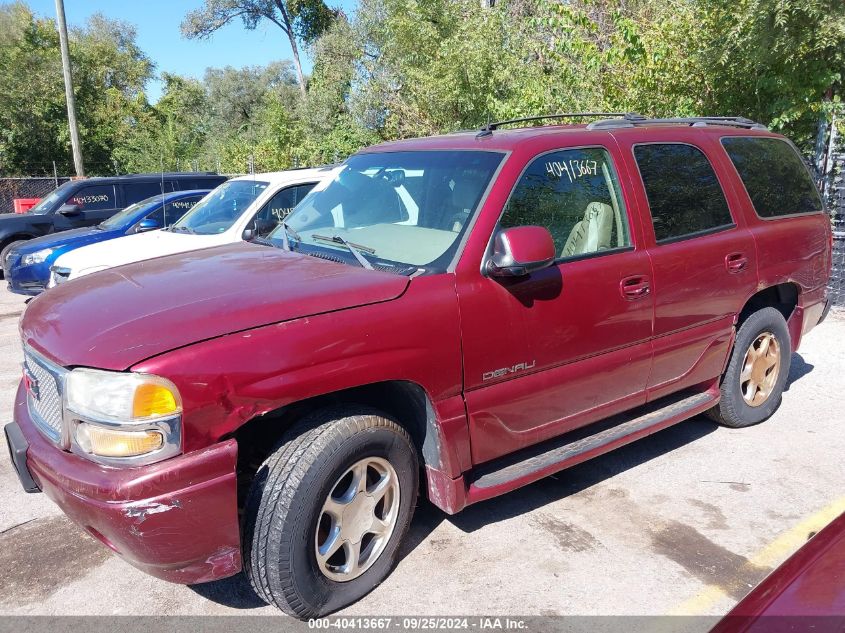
(70, 209)
(521, 250)
(248, 235)
(147, 224)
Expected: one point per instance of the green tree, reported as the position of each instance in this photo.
(300, 21)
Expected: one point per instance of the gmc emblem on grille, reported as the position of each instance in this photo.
(30, 383)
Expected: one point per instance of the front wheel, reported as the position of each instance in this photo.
(328, 509)
(753, 383)
(4, 250)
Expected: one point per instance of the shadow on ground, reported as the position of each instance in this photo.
(797, 370)
(237, 593)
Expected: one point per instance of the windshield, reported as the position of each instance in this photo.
(220, 209)
(46, 203)
(118, 219)
(398, 208)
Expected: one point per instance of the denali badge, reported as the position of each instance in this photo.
(504, 371)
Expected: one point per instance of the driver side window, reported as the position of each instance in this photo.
(575, 195)
(279, 207)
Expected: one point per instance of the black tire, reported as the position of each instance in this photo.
(733, 410)
(5, 248)
(285, 501)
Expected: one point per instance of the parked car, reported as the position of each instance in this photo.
(242, 208)
(471, 312)
(28, 263)
(806, 593)
(89, 201)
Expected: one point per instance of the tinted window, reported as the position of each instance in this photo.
(284, 201)
(94, 198)
(774, 176)
(683, 192)
(136, 191)
(201, 183)
(575, 194)
(174, 210)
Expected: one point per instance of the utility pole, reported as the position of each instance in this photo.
(71, 101)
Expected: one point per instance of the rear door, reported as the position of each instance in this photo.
(702, 254)
(136, 191)
(567, 345)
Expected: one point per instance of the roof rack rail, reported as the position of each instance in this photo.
(494, 125)
(632, 119)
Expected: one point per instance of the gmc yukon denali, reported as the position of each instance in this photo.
(454, 316)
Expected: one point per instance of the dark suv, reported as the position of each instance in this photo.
(460, 315)
(89, 201)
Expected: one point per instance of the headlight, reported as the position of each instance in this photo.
(123, 418)
(38, 257)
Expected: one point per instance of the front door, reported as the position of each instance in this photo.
(94, 203)
(572, 342)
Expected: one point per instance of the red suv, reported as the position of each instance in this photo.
(463, 314)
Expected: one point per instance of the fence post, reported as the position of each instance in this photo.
(55, 175)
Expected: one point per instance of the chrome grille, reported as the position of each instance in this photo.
(44, 396)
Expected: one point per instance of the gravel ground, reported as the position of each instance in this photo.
(684, 522)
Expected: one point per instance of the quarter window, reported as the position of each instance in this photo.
(575, 194)
(774, 176)
(136, 191)
(684, 195)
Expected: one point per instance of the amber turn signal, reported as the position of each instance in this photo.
(106, 442)
(152, 399)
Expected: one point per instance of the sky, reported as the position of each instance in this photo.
(157, 23)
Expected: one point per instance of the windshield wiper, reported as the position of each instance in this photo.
(354, 248)
(286, 230)
(182, 229)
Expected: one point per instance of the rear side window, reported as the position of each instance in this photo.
(684, 195)
(94, 198)
(177, 208)
(201, 183)
(774, 176)
(136, 191)
(575, 195)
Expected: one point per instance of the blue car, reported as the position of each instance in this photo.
(27, 265)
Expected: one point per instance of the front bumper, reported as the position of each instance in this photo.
(176, 520)
(26, 280)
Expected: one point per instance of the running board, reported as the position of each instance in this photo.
(529, 465)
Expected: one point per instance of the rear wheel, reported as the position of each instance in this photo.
(757, 371)
(328, 509)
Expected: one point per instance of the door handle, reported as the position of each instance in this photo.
(634, 287)
(736, 262)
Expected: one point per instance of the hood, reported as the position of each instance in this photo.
(119, 317)
(132, 248)
(21, 218)
(55, 240)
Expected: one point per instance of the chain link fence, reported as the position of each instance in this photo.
(836, 204)
(32, 187)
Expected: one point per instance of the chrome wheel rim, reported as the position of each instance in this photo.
(760, 369)
(357, 519)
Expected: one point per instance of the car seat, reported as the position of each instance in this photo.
(591, 234)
